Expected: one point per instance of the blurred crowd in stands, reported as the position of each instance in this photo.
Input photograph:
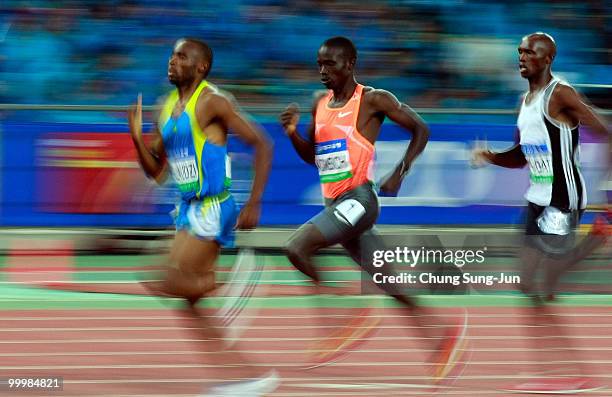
(443, 53)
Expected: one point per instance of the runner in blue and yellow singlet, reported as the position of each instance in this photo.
(189, 144)
(201, 168)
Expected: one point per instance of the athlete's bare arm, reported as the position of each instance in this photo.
(152, 159)
(566, 105)
(511, 158)
(222, 109)
(289, 119)
(381, 101)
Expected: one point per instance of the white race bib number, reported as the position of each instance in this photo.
(540, 163)
(333, 161)
(185, 171)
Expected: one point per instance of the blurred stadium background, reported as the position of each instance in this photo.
(453, 60)
(447, 53)
(70, 183)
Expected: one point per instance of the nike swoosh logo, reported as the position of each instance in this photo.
(344, 114)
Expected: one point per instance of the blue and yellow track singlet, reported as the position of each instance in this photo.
(200, 168)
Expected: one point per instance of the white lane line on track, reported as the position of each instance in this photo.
(280, 365)
(368, 386)
(374, 338)
(288, 380)
(114, 297)
(288, 351)
(288, 327)
(283, 317)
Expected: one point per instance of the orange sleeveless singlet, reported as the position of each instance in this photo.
(344, 157)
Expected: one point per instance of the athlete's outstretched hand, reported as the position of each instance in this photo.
(480, 157)
(289, 118)
(249, 216)
(135, 118)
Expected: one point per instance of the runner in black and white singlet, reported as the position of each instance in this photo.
(548, 123)
(552, 153)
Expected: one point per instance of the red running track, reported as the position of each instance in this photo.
(160, 353)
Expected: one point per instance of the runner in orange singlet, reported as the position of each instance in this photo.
(340, 141)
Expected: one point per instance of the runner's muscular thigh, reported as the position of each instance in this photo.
(180, 240)
(193, 255)
(197, 256)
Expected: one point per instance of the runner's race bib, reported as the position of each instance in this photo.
(185, 173)
(333, 162)
(540, 163)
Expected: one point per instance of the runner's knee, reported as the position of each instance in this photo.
(300, 256)
(190, 286)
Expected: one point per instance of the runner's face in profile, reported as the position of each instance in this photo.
(532, 57)
(334, 67)
(183, 63)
